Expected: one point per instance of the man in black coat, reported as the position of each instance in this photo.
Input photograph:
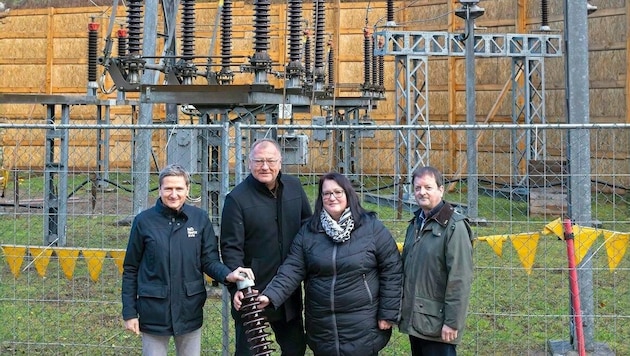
(260, 218)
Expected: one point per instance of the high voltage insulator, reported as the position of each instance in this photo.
(307, 56)
(319, 20)
(188, 29)
(390, 11)
(134, 24)
(226, 36)
(331, 65)
(92, 50)
(367, 55)
(261, 25)
(295, 28)
(122, 42)
(254, 322)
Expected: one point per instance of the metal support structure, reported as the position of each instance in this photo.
(56, 177)
(102, 146)
(412, 108)
(412, 51)
(528, 107)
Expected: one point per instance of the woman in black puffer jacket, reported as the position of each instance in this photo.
(352, 275)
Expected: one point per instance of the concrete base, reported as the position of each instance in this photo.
(564, 348)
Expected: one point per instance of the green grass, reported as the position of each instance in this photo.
(511, 312)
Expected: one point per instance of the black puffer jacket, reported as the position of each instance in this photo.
(348, 287)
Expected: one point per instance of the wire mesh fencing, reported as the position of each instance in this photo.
(61, 263)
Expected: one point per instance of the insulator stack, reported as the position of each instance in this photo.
(319, 20)
(295, 29)
(390, 11)
(92, 50)
(307, 56)
(134, 24)
(254, 321)
(122, 42)
(331, 66)
(261, 25)
(381, 72)
(226, 36)
(544, 10)
(188, 29)
(367, 55)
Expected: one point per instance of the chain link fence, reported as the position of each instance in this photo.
(64, 298)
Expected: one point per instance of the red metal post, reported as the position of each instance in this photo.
(573, 284)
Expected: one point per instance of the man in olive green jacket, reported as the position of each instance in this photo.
(437, 269)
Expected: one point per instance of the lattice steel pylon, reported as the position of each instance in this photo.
(412, 51)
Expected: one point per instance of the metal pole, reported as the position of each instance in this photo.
(578, 148)
(471, 135)
(142, 138)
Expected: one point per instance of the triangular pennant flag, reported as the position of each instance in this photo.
(554, 227)
(94, 259)
(41, 258)
(526, 246)
(616, 245)
(584, 238)
(14, 255)
(496, 243)
(67, 260)
(119, 257)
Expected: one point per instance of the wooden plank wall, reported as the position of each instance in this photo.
(45, 51)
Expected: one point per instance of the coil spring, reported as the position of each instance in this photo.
(319, 20)
(188, 29)
(226, 36)
(295, 29)
(134, 24)
(92, 51)
(255, 324)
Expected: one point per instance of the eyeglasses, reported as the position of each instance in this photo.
(259, 162)
(336, 193)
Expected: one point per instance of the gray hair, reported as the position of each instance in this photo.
(174, 170)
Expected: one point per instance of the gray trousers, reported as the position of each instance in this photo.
(186, 344)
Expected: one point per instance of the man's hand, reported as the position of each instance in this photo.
(384, 325)
(448, 334)
(262, 299)
(133, 325)
(236, 274)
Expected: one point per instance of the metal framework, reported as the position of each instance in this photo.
(412, 51)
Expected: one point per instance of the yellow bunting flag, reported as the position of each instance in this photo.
(41, 258)
(554, 227)
(496, 242)
(94, 259)
(67, 260)
(584, 238)
(119, 257)
(616, 245)
(526, 246)
(14, 256)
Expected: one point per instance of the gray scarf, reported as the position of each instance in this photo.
(338, 231)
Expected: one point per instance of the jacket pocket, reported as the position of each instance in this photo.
(194, 287)
(152, 304)
(428, 317)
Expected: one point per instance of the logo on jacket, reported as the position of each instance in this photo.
(191, 232)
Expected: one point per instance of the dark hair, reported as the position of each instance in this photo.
(358, 212)
(428, 171)
(174, 170)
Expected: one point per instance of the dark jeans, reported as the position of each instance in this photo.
(289, 336)
(421, 347)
